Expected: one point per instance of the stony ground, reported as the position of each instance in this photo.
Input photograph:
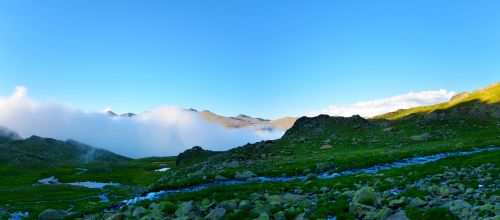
(455, 193)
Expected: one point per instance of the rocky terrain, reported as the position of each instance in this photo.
(432, 162)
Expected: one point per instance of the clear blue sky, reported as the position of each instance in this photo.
(262, 58)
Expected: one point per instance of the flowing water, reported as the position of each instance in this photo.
(328, 175)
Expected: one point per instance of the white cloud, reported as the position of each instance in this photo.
(384, 105)
(165, 130)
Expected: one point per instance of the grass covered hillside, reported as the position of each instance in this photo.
(37, 151)
(24, 162)
(458, 187)
(324, 143)
(485, 99)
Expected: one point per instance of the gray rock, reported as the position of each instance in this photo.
(229, 205)
(309, 176)
(139, 212)
(421, 137)
(398, 216)
(245, 204)
(185, 208)
(279, 216)
(397, 202)
(367, 196)
(117, 216)
(244, 175)
(417, 202)
(219, 177)
(300, 216)
(216, 214)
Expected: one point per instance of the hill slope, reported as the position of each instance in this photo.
(476, 100)
(37, 151)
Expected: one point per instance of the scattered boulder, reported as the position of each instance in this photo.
(185, 208)
(367, 196)
(417, 202)
(139, 212)
(421, 137)
(216, 214)
(399, 216)
(325, 147)
(229, 205)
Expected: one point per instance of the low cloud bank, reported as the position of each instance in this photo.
(165, 130)
(381, 106)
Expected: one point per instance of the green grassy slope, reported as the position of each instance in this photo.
(489, 95)
(324, 143)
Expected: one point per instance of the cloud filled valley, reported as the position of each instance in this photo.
(166, 130)
(162, 131)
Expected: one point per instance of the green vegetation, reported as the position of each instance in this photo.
(312, 146)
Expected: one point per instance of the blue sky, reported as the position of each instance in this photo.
(262, 58)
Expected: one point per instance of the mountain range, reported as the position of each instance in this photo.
(239, 121)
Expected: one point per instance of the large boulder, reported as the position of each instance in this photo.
(367, 196)
(216, 214)
(417, 202)
(185, 209)
(399, 216)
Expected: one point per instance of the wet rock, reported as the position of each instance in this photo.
(244, 175)
(219, 177)
(216, 214)
(322, 167)
(52, 214)
(309, 176)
